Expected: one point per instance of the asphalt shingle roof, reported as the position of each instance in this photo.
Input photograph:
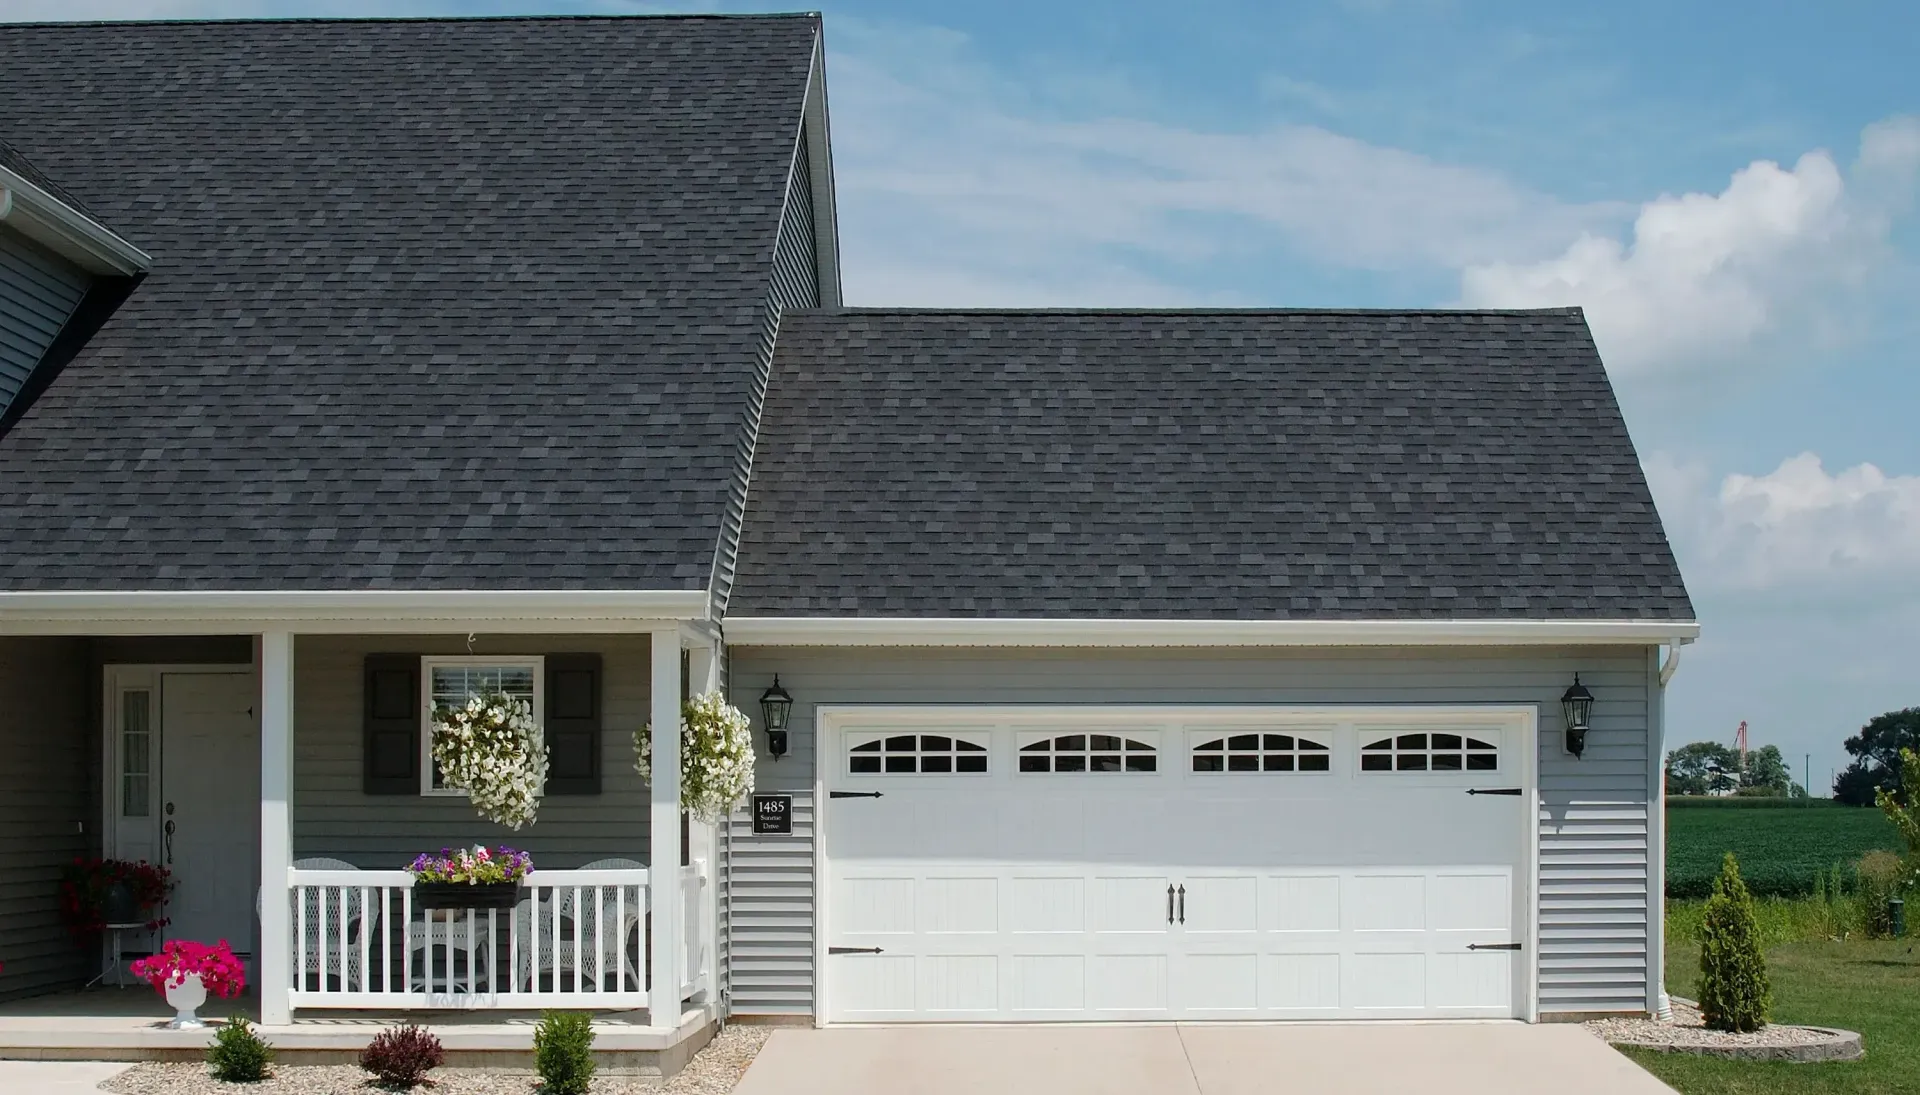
(1229, 465)
(434, 304)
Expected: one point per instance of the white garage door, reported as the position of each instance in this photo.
(1102, 864)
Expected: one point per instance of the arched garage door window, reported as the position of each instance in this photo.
(1429, 753)
(1089, 753)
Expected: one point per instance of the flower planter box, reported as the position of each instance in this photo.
(466, 895)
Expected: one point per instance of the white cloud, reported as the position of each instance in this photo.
(1798, 525)
(952, 172)
(1705, 275)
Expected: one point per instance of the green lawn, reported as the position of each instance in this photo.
(1780, 849)
(1869, 986)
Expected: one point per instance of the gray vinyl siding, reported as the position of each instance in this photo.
(332, 816)
(38, 293)
(47, 811)
(1593, 820)
(795, 284)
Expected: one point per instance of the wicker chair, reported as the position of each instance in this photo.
(603, 955)
(324, 923)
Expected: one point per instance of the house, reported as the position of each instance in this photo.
(1145, 664)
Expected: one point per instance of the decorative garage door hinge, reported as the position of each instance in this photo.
(1493, 946)
(853, 794)
(855, 950)
(1515, 791)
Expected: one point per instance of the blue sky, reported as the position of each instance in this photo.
(1730, 189)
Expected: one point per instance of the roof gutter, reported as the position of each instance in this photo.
(91, 612)
(1672, 665)
(963, 631)
(66, 231)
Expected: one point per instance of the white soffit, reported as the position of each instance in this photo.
(240, 611)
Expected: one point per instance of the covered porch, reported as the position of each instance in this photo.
(279, 772)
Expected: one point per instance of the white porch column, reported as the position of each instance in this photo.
(663, 864)
(275, 959)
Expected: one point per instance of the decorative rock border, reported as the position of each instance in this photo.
(1685, 1033)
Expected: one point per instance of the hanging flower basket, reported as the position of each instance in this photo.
(716, 756)
(491, 748)
(98, 892)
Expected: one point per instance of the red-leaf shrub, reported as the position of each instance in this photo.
(402, 1056)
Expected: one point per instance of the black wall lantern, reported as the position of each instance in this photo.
(775, 704)
(1577, 705)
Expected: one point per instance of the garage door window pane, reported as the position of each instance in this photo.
(1089, 753)
(929, 754)
(1262, 753)
(1429, 753)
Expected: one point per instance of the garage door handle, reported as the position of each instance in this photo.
(1169, 903)
(1183, 904)
(1493, 946)
(854, 950)
(853, 794)
(1514, 791)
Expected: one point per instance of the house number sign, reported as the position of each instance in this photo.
(773, 815)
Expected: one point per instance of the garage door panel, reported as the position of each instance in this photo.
(950, 906)
(1047, 904)
(1048, 985)
(1221, 905)
(1213, 984)
(875, 986)
(1034, 828)
(1293, 984)
(1385, 903)
(1471, 903)
(963, 986)
(867, 905)
(1470, 981)
(1390, 981)
(1130, 983)
(1132, 904)
(1303, 903)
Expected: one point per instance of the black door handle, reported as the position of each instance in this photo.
(1493, 946)
(1169, 902)
(853, 794)
(1183, 903)
(1514, 791)
(168, 829)
(854, 950)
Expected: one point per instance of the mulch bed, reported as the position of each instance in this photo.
(1688, 1033)
(713, 1071)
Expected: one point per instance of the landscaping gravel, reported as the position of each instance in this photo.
(713, 1071)
(1688, 1033)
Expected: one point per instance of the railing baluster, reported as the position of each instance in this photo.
(340, 915)
(493, 963)
(620, 938)
(386, 939)
(300, 934)
(577, 960)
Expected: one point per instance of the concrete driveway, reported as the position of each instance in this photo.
(1171, 1059)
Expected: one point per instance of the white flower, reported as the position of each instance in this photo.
(716, 756)
(493, 750)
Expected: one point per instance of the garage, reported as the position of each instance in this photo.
(1150, 863)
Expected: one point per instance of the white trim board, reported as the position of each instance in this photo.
(964, 631)
(68, 232)
(202, 612)
(1522, 719)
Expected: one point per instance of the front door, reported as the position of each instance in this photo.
(210, 805)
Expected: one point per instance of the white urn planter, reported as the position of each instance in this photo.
(185, 998)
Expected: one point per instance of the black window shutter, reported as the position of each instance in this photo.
(573, 724)
(391, 746)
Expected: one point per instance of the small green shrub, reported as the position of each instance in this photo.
(1734, 994)
(563, 1052)
(402, 1056)
(238, 1055)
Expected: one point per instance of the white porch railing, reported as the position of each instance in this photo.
(575, 939)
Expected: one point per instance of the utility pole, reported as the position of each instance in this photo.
(1806, 775)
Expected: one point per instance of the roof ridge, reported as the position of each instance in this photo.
(576, 18)
(1565, 310)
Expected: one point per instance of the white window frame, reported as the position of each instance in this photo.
(428, 663)
(1151, 737)
(1326, 737)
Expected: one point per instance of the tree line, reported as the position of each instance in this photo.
(1710, 768)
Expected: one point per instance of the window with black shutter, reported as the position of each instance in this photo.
(573, 724)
